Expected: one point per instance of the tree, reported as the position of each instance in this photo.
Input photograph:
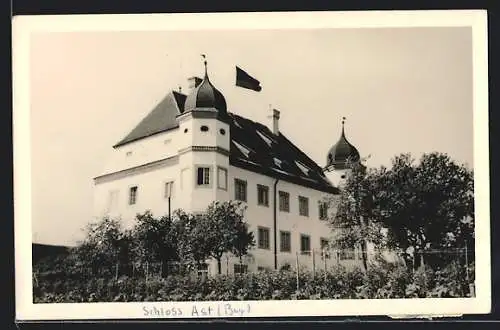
(429, 206)
(155, 239)
(192, 243)
(355, 221)
(225, 230)
(105, 244)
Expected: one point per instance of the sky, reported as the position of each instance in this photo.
(401, 90)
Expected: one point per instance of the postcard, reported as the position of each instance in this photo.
(246, 165)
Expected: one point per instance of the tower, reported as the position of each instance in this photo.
(341, 158)
(204, 146)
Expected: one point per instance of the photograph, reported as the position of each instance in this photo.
(251, 165)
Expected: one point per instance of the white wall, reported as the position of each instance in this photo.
(150, 149)
(150, 194)
(182, 169)
(338, 177)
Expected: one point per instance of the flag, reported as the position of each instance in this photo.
(244, 80)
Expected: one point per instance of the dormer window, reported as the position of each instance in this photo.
(277, 162)
(302, 167)
(265, 138)
(243, 149)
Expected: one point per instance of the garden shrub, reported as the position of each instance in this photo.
(379, 282)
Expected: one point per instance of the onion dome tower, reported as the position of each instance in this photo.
(341, 157)
(206, 96)
(203, 145)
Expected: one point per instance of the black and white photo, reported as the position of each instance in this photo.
(220, 165)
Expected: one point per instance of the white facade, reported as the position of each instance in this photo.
(202, 140)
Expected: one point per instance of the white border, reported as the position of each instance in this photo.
(23, 26)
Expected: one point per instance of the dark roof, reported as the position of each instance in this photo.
(253, 146)
(162, 118)
(342, 153)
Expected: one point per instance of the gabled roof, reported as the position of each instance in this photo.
(253, 146)
(160, 119)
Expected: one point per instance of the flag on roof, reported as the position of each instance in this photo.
(245, 80)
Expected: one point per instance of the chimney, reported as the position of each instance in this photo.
(276, 122)
(193, 82)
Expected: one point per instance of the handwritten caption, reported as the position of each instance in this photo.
(212, 310)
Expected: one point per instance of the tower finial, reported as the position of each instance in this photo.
(205, 63)
(343, 122)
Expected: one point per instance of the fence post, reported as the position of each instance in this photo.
(413, 258)
(466, 262)
(297, 268)
(324, 261)
(314, 263)
(116, 271)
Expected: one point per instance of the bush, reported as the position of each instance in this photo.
(381, 281)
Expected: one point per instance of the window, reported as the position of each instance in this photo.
(240, 190)
(324, 248)
(222, 178)
(204, 128)
(262, 195)
(132, 199)
(203, 176)
(222, 131)
(284, 201)
(285, 241)
(169, 189)
(305, 244)
(240, 268)
(304, 206)
(263, 238)
(129, 153)
(323, 210)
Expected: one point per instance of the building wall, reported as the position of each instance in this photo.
(262, 216)
(338, 177)
(150, 193)
(159, 146)
(151, 162)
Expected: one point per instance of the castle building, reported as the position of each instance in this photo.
(190, 150)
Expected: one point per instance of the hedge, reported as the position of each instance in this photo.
(379, 282)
